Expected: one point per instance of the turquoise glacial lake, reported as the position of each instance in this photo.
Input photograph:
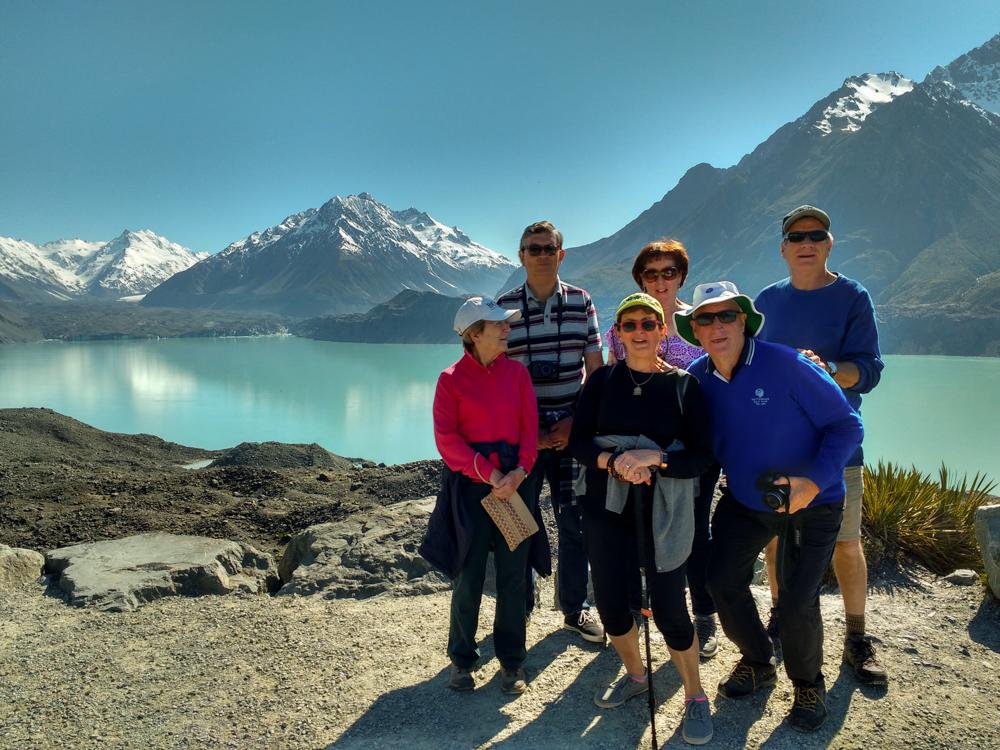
(374, 400)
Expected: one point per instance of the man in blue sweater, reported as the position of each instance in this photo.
(830, 319)
(783, 432)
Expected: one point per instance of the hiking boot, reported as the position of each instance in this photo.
(708, 642)
(513, 681)
(859, 655)
(696, 726)
(619, 692)
(586, 624)
(461, 679)
(809, 707)
(745, 679)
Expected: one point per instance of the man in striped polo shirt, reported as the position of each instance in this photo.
(558, 340)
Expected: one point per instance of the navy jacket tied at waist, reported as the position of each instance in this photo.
(446, 542)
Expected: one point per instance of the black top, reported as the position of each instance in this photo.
(607, 406)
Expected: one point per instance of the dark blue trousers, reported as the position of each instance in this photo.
(738, 536)
(467, 589)
(571, 567)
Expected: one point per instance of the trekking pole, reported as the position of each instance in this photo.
(640, 530)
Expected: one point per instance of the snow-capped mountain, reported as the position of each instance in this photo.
(131, 264)
(346, 256)
(135, 263)
(26, 272)
(847, 108)
(975, 75)
(910, 174)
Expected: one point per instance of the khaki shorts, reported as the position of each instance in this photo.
(850, 526)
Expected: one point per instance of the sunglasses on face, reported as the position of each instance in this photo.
(630, 326)
(651, 274)
(813, 235)
(535, 250)
(724, 316)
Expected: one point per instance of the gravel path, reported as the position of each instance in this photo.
(249, 672)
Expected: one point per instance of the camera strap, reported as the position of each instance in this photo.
(527, 323)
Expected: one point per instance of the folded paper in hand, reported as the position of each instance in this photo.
(512, 517)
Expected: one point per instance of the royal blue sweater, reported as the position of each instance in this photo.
(836, 321)
(778, 413)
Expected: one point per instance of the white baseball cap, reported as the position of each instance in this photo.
(475, 309)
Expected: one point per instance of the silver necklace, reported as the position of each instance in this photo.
(637, 391)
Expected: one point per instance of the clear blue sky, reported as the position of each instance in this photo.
(205, 121)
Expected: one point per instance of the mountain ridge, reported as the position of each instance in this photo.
(351, 253)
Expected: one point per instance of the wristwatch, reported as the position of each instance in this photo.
(832, 367)
(663, 459)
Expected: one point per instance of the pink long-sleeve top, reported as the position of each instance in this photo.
(474, 404)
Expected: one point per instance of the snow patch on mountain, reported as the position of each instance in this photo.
(861, 95)
(135, 262)
(21, 260)
(132, 263)
(260, 240)
(450, 243)
(976, 75)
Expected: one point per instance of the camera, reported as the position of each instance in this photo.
(776, 496)
(543, 371)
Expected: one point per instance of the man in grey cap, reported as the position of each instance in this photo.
(830, 319)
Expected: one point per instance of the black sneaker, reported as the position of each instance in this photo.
(859, 655)
(745, 679)
(708, 641)
(461, 679)
(586, 624)
(809, 707)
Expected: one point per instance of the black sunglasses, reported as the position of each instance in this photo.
(535, 250)
(724, 316)
(629, 326)
(651, 274)
(813, 235)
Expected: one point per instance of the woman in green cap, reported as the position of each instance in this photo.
(640, 434)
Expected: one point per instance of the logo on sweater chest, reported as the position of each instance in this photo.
(759, 399)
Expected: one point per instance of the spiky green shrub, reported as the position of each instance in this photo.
(905, 511)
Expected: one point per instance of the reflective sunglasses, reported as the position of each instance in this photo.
(630, 326)
(651, 274)
(724, 316)
(813, 235)
(535, 250)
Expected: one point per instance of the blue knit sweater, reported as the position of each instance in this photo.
(780, 413)
(836, 321)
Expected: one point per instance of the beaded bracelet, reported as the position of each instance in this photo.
(611, 466)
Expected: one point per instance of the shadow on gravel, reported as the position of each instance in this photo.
(732, 719)
(432, 717)
(572, 720)
(984, 628)
(888, 576)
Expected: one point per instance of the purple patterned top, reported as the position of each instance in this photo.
(675, 350)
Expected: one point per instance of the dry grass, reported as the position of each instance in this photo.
(933, 521)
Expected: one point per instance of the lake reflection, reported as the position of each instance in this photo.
(374, 401)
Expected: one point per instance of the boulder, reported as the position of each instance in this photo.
(19, 567)
(962, 577)
(122, 574)
(988, 536)
(370, 553)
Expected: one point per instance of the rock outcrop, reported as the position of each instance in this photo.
(988, 536)
(362, 556)
(19, 567)
(123, 574)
